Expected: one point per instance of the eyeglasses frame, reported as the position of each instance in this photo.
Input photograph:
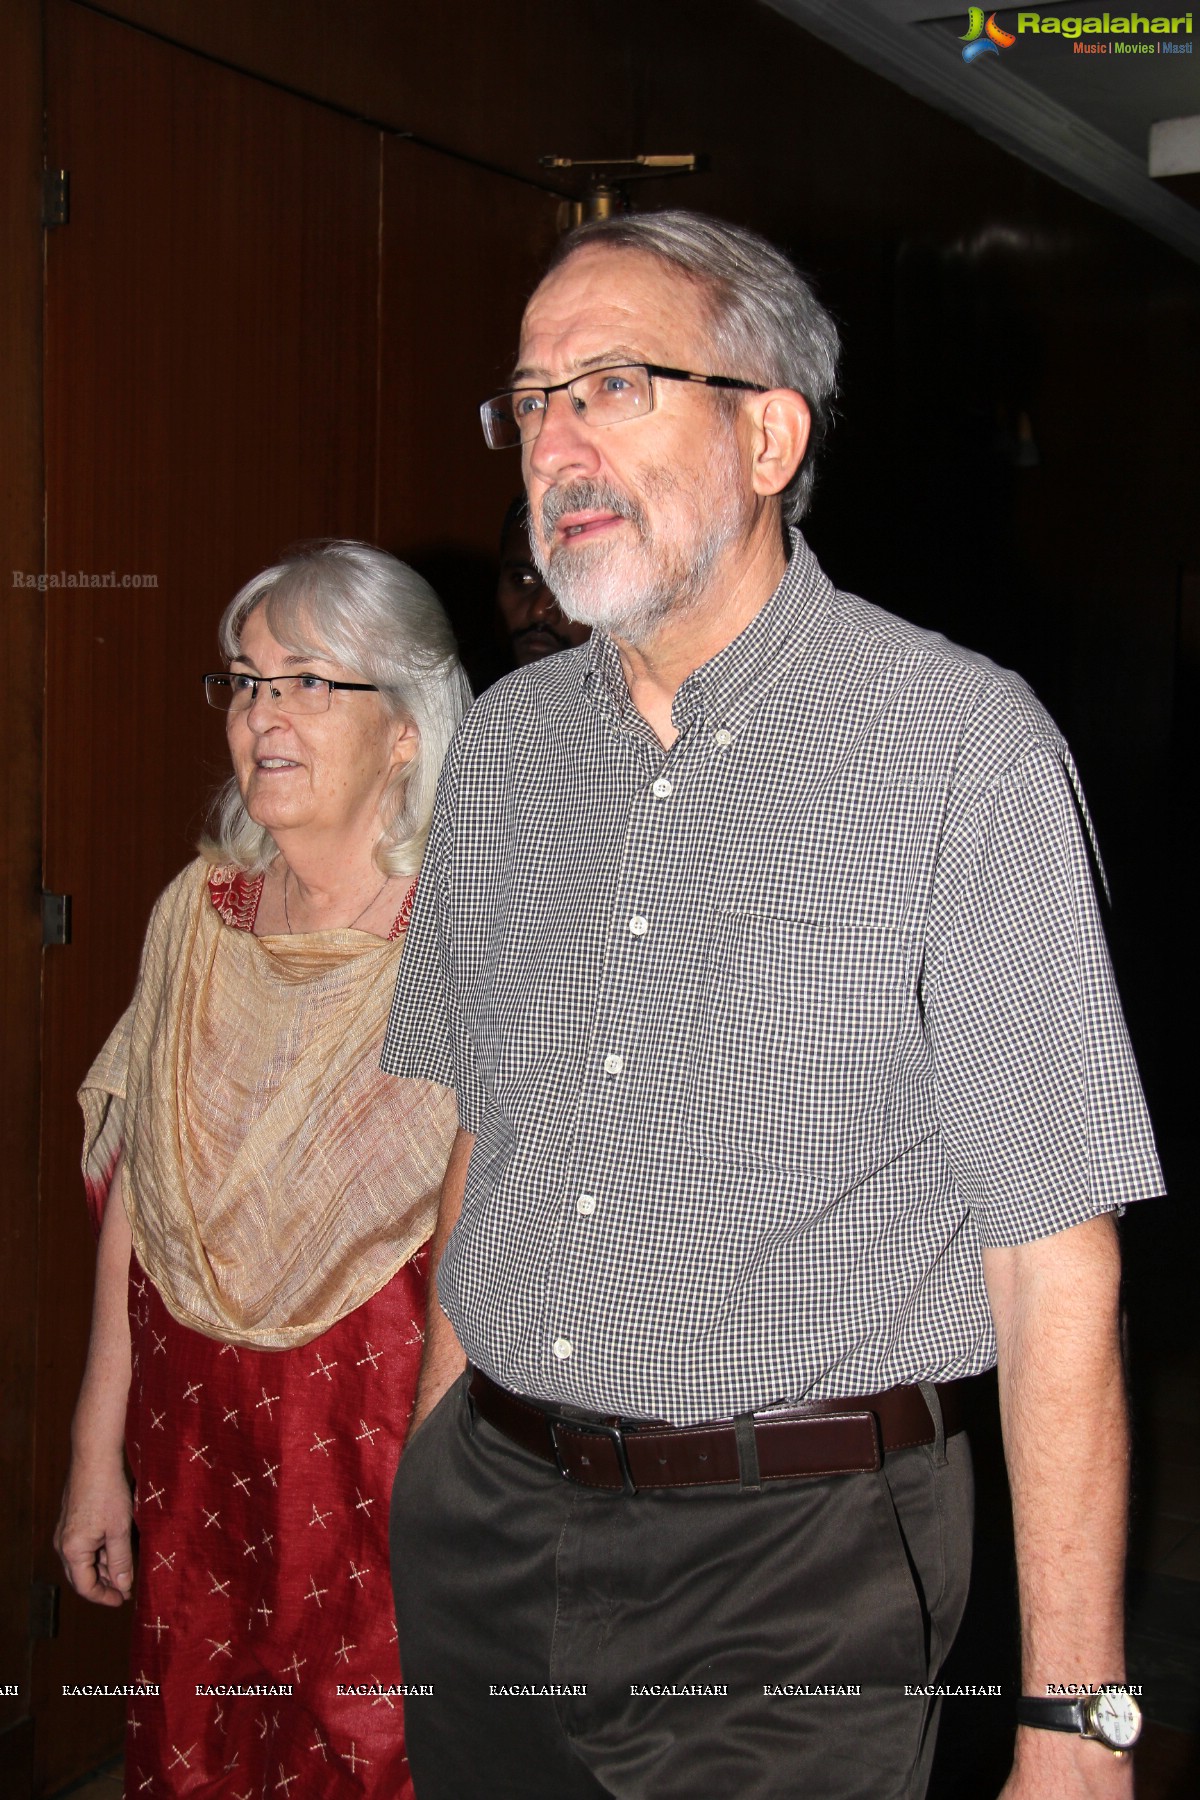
(226, 675)
(657, 371)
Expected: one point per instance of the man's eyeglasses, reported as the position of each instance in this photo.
(601, 397)
(290, 693)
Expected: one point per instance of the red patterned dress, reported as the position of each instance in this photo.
(263, 1481)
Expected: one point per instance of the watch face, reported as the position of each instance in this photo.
(1116, 1718)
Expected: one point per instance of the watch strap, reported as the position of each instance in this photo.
(1047, 1714)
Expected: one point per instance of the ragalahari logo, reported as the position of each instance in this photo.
(981, 39)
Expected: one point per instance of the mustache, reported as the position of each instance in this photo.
(588, 496)
(527, 631)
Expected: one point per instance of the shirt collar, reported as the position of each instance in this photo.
(725, 691)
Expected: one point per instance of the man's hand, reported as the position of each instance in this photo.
(93, 1537)
(1066, 1442)
(1053, 1765)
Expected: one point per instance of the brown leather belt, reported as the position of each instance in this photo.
(821, 1437)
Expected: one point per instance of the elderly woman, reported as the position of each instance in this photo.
(265, 1195)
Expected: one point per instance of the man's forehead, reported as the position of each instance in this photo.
(606, 305)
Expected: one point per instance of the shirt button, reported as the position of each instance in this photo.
(561, 1348)
(639, 926)
(723, 738)
(662, 789)
(613, 1064)
(586, 1204)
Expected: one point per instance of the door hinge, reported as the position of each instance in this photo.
(56, 919)
(56, 197)
(43, 1609)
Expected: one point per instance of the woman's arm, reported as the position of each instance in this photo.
(93, 1535)
(444, 1360)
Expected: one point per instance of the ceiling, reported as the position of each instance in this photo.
(1083, 118)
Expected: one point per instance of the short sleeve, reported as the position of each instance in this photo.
(425, 1038)
(1038, 1095)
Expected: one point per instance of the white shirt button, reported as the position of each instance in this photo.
(613, 1064)
(639, 926)
(662, 789)
(586, 1204)
(561, 1348)
(723, 738)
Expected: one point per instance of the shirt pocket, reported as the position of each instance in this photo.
(800, 1033)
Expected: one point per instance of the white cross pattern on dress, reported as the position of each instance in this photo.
(165, 1561)
(320, 1443)
(200, 1454)
(218, 1587)
(372, 1356)
(133, 1722)
(314, 1592)
(263, 1610)
(241, 1481)
(210, 1518)
(320, 1745)
(268, 1400)
(143, 1785)
(323, 1367)
(362, 1504)
(319, 1518)
(370, 1432)
(191, 1391)
(231, 1349)
(160, 1344)
(219, 1649)
(182, 1756)
(353, 1759)
(154, 1493)
(230, 1413)
(294, 1668)
(356, 1574)
(157, 1628)
(342, 1653)
(156, 1420)
(285, 1781)
(269, 1472)
(249, 1549)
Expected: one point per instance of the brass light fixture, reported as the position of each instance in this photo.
(602, 184)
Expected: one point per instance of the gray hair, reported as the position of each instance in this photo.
(768, 325)
(375, 616)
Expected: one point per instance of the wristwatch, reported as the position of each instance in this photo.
(1112, 1716)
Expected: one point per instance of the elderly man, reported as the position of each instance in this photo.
(793, 1090)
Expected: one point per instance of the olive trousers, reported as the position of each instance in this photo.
(719, 1641)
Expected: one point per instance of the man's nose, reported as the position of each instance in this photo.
(564, 444)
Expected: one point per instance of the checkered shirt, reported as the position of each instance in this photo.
(765, 1035)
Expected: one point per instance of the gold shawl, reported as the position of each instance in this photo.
(275, 1179)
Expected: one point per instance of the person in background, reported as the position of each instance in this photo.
(263, 1196)
(534, 623)
(760, 943)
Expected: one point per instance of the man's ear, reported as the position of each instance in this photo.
(781, 423)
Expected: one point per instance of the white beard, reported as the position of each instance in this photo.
(628, 584)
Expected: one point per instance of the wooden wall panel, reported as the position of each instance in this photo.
(210, 396)
(20, 842)
(461, 249)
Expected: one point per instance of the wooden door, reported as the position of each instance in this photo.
(210, 393)
(264, 322)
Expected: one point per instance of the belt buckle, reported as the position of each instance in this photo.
(615, 1437)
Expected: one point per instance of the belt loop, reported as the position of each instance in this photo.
(929, 1395)
(747, 1449)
